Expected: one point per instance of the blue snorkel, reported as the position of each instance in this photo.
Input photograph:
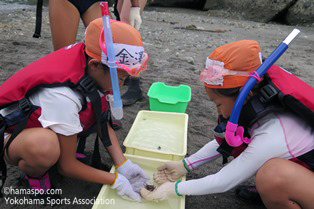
(115, 101)
(234, 134)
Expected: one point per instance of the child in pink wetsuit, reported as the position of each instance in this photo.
(279, 140)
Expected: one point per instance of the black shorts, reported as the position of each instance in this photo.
(116, 13)
(308, 159)
(83, 5)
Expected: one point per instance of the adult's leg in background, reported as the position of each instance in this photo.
(92, 13)
(64, 21)
(124, 7)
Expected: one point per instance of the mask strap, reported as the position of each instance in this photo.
(256, 76)
(101, 43)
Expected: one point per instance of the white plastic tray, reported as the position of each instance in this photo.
(161, 135)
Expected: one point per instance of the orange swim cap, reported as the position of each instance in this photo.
(122, 33)
(242, 56)
(128, 47)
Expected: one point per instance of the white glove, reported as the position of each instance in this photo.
(170, 171)
(163, 192)
(134, 174)
(124, 188)
(135, 17)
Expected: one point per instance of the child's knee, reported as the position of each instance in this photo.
(271, 175)
(44, 147)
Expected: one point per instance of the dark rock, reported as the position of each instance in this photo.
(292, 12)
(197, 4)
(302, 12)
(213, 4)
(260, 10)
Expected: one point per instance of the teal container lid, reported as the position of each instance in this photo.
(169, 94)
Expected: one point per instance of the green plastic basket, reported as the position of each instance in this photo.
(168, 98)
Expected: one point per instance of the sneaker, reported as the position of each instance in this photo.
(248, 194)
(41, 184)
(80, 156)
(116, 124)
(87, 159)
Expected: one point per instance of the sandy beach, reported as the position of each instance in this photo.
(178, 42)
